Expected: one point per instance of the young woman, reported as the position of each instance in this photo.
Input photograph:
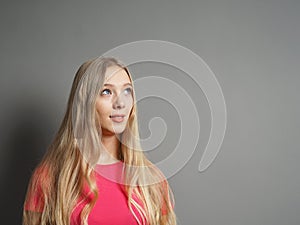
(95, 172)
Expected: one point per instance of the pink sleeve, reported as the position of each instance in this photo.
(35, 199)
(164, 209)
(34, 202)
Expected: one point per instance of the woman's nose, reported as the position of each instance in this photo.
(118, 103)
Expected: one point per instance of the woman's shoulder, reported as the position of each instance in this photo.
(38, 184)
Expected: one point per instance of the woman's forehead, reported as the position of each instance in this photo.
(116, 75)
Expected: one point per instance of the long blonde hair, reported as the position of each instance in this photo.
(69, 161)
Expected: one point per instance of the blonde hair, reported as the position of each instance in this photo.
(69, 161)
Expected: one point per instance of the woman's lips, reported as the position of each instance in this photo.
(118, 118)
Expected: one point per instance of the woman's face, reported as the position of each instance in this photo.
(115, 101)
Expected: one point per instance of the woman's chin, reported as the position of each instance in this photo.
(116, 131)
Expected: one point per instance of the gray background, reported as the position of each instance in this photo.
(251, 46)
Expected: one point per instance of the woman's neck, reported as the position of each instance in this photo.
(110, 153)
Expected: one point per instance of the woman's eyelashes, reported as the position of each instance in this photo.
(106, 92)
(127, 91)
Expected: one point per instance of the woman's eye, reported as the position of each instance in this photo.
(128, 91)
(106, 92)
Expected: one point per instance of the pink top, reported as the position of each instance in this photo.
(111, 207)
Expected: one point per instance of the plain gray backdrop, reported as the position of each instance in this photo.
(252, 47)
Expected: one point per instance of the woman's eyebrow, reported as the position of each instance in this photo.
(114, 85)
